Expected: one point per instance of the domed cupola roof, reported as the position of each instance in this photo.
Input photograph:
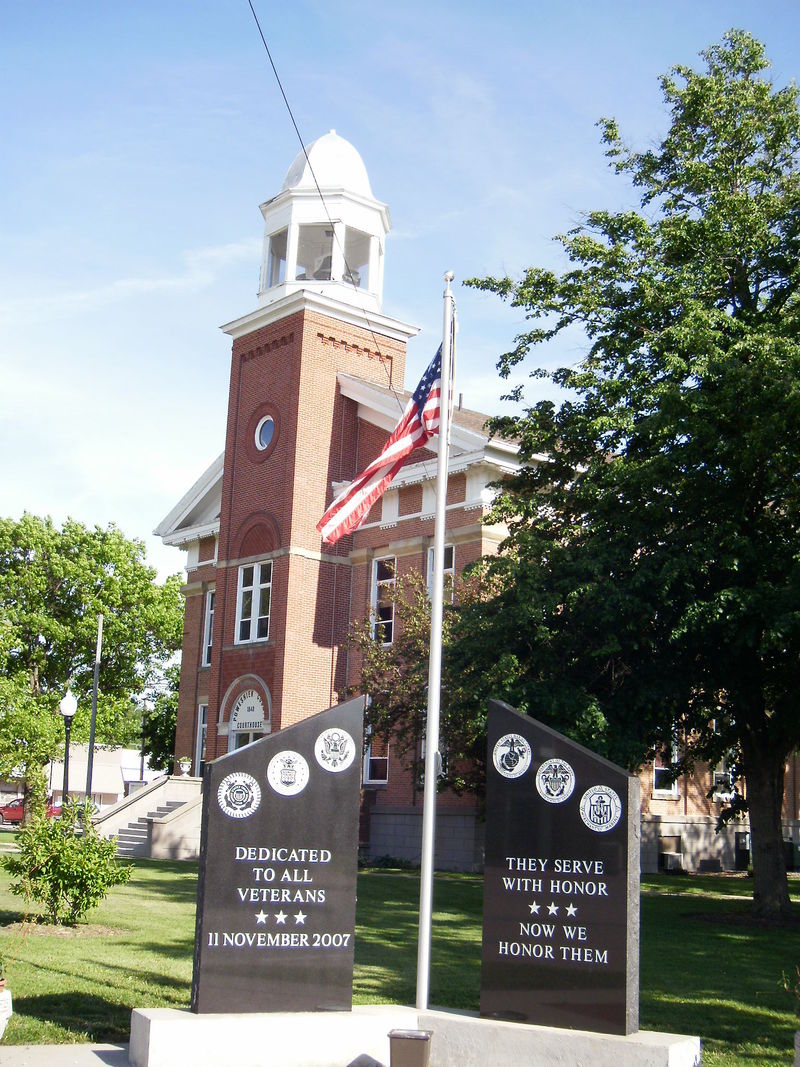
(327, 241)
(336, 164)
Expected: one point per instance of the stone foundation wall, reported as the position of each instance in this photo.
(681, 843)
(398, 833)
(691, 843)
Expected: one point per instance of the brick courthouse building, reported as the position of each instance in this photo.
(316, 386)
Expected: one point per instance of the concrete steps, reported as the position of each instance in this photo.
(132, 840)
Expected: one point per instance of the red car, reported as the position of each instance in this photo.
(13, 811)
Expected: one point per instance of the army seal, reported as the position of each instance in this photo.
(335, 750)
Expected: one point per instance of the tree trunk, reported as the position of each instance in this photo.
(764, 774)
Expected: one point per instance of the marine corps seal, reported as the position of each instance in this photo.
(512, 756)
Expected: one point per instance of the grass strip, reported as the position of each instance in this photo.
(705, 967)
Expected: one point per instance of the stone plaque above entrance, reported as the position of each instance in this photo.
(247, 712)
(561, 882)
(278, 860)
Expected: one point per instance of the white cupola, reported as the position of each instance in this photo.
(324, 231)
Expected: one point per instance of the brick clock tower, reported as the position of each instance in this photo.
(268, 605)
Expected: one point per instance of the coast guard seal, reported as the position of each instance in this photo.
(239, 795)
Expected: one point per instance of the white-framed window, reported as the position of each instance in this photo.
(383, 583)
(245, 737)
(664, 785)
(265, 431)
(449, 571)
(253, 597)
(200, 744)
(208, 628)
(722, 783)
(376, 767)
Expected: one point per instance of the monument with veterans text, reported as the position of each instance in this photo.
(277, 883)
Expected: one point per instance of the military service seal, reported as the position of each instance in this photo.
(555, 781)
(601, 808)
(239, 795)
(335, 750)
(512, 756)
(287, 773)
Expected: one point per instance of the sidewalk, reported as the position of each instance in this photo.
(64, 1056)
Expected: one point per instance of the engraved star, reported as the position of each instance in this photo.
(280, 918)
(534, 908)
(571, 910)
(261, 917)
(552, 909)
(299, 919)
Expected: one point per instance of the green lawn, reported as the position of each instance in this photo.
(704, 968)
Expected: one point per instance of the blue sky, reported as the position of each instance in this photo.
(139, 139)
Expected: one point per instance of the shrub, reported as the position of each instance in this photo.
(64, 866)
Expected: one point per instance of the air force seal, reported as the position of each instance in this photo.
(287, 773)
(601, 808)
(239, 795)
(335, 750)
(555, 781)
(512, 756)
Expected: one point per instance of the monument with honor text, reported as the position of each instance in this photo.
(561, 882)
(277, 882)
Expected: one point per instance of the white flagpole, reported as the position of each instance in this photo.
(432, 763)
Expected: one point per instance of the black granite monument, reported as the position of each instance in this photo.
(276, 895)
(561, 882)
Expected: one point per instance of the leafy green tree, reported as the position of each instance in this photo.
(650, 584)
(53, 585)
(30, 733)
(160, 721)
(64, 865)
(395, 677)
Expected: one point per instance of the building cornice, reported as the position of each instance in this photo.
(320, 304)
(191, 533)
(296, 193)
(168, 530)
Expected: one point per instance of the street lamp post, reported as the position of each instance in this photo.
(67, 707)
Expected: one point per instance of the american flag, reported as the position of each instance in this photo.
(419, 423)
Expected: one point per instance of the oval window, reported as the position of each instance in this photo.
(265, 431)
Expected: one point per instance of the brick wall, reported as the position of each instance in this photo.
(272, 500)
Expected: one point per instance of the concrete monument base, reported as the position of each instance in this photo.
(5, 1009)
(162, 1037)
